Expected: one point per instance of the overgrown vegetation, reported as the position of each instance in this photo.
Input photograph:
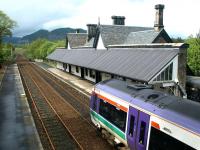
(193, 55)
(6, 25)
(6, 53)
(193, 52)
(41, 48)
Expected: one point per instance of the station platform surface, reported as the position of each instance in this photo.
(17, 128)
(82, 85)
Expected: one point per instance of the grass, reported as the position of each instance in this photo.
(20, 51)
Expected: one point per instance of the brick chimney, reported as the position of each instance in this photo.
(158, 24)
(92, 30)
(118, 20)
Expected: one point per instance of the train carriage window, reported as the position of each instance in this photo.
(131, 130)
(113, 114)
(142, 132)
(161, 141)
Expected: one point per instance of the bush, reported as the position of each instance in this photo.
(41, 48)
(6, 54)
(193, 55)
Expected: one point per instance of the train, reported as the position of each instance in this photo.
(137, 117)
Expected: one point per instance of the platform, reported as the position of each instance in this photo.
(80, 84)
(17, 128)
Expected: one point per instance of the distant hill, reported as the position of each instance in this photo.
(57, 34)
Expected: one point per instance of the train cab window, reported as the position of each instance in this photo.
(93, 102)
(142, 132)
(94, 106)
(131, 130)
(161, 141)
(113, 114)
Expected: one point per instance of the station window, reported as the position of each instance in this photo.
(159, 140)
(86, 71)
(113, 114)
(64, 66)
(92, 73)
(165, 75)
(77, 69)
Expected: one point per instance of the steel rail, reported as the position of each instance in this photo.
(58, 82)
(52, 110)
(88, 120)
(37, 111)
(55, 112)
(85, 122)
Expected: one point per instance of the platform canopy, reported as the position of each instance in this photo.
(140, 64)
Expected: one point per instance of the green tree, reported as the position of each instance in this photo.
(178, 40)
(6, 25)
(41, 48)
(194, 54)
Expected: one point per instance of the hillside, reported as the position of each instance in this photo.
(57, 34)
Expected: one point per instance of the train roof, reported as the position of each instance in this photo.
(175, 109)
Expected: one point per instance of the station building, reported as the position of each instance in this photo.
(134, 54)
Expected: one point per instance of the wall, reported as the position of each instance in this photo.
(67, 68)
(100, 44)
(59, 65)
(160, 39)
(182, 60)
(105, 76)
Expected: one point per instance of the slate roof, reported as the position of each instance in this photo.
(57, 54)
(76, 39)
(117, 34)
(141, 37)
(136, 63)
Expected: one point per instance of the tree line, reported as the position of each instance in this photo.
(6, 26)
(40, 48)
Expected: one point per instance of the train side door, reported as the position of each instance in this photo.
(132, 127)
(142, 131)
(137, 130)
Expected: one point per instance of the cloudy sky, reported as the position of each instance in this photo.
(181, 17)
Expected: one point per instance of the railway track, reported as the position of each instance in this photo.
(62, 114)
(69, 94)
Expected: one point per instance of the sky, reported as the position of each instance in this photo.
(181, 17)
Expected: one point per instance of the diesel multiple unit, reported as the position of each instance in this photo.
(138, 117)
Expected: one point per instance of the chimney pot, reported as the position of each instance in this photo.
(118, 20)
(159, 6)
(92, 30)
(158, 25)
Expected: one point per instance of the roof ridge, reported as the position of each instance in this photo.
(125, 26)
